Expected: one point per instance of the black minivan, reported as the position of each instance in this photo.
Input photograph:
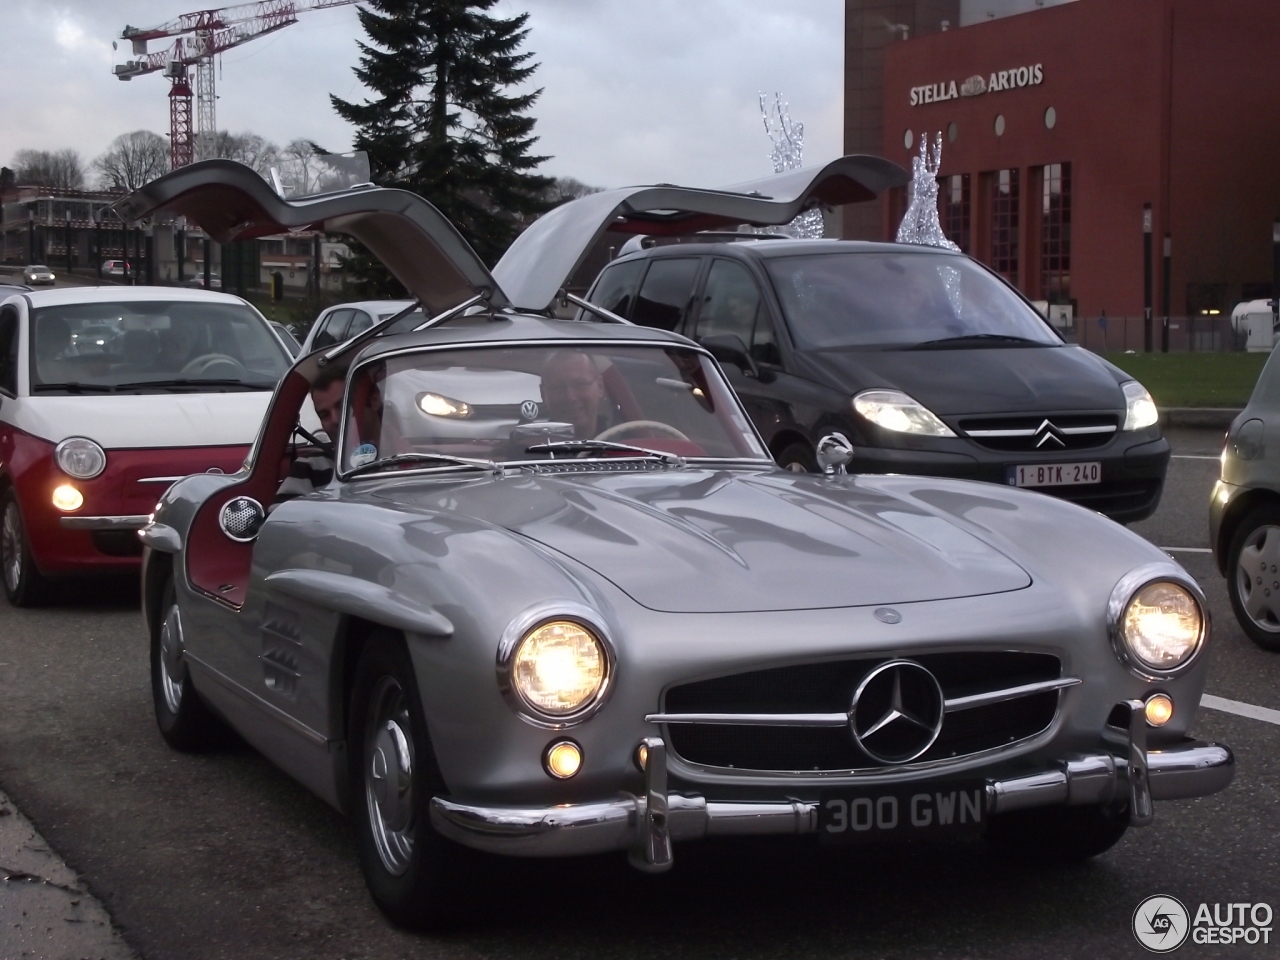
(926, 360)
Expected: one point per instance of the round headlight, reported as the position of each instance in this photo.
(559, 668)
(1162, 625)
(80, 458)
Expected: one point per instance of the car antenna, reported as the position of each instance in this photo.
(567, 298)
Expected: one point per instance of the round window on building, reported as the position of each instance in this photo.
(953, 131)
(1050, 118)
(1000, 125)
(908, 139)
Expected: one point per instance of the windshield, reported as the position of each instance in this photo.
(496, 403)
(891, 299)
(153, 346)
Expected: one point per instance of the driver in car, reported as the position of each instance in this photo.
(573, 392)
(308, 474)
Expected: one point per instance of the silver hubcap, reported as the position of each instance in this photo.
(11, 547)
(171, 659)
(796, 467)
(388, 776)
(1258, 578)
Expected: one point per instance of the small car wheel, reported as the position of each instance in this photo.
(24, 585)
(184, 720)
(394, 775)
(1057, 834)
(798, 458)
(1253, 570)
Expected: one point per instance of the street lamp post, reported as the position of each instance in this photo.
(148, 233)
(1168, 257)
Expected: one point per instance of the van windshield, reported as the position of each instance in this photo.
(153, 346)
(908, 299)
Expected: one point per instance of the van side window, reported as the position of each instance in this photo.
(732, 305)
(617, 287)
(334, 329)
(666, 292)
(9, 352)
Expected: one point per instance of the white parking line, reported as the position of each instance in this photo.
(1186, 549)
(1241, 709)
(1195, 456)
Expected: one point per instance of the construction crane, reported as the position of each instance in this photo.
(198, 38)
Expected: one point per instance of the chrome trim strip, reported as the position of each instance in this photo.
(270, 709)
(104, 523)
(1067, 431)
(953, 705)
(162, 479)
(1189, 769)
(1072, 431)
(1011, 693)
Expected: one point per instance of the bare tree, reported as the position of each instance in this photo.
(564, 189)
(61, 169)
(300, 168)
(132, 160)
(251, 149)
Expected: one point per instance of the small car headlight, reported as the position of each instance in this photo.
(894, 410)
(1162, 625)
(80, 457)
(559, 668)
(440, 406)
(1140, 408)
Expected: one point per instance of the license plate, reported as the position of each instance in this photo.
(900, 813)
(1055, 474)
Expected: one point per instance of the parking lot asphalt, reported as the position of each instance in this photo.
(220, 855)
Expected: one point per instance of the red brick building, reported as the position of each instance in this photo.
(1060, 125)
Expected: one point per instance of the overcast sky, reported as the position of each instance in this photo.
(634, 92)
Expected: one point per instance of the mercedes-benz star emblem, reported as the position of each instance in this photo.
(896, 712)
(1047, 433)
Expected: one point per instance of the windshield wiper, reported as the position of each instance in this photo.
(187, 382)
(421, 458)
(73, 387)
(585, 445)
(976, 339)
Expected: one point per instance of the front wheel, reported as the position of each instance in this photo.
(184, 720)
(1253, 576)
(1057, 834)
(406, 863)
(798, 458)
(24, 585)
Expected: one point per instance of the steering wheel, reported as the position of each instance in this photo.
(200, 366)
(657, 426)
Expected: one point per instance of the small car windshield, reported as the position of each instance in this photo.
(908, 299)
(152, 346)
(535, 402)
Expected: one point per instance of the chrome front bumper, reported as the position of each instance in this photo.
(647, 825)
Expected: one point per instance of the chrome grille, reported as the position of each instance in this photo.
(1041, 433)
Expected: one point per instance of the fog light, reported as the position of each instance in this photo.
(67, 498)
(642, 756)
(1159, 709)
(563, 759)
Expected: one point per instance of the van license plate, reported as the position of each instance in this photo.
(1056, 474)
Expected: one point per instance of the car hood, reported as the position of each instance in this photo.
(421, 248)
(544, 258)
(137, 421)
(711, 541)
(977, 381)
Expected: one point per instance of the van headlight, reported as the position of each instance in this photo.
(1158, 623)
(895, 410)
(559, 669)
(1140, 409)
(80, 457)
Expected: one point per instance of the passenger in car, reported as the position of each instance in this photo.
(310, 473)
(574, 392)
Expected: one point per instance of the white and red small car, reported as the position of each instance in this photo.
(107, 396)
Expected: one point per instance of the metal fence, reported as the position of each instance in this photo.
(1204, 334)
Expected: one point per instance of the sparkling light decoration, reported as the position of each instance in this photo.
(787, 137)
(920, 224)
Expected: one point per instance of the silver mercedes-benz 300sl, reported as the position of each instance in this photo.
(550, 596)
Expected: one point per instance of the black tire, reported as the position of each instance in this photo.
(798, 457)
(409, 868)
(1253, 576)
(1057, 835)
(24, 584)
(184, 721)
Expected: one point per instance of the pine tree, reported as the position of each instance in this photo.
(441, 123)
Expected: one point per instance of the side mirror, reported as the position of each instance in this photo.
(729, 348)
(834, 454)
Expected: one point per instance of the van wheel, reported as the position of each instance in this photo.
(1253, 571)
(24, 585)
(798, 458)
